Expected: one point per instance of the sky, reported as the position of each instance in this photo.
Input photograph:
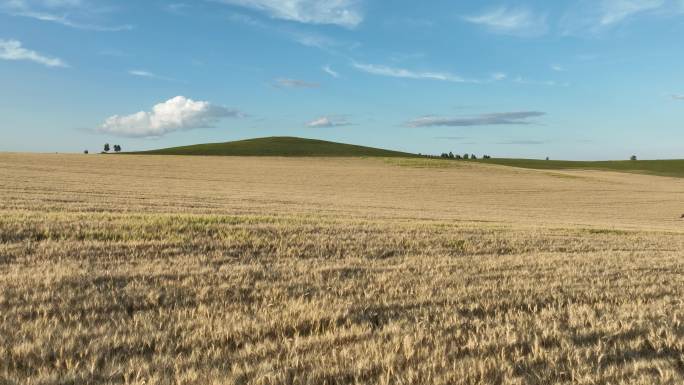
(567, 79)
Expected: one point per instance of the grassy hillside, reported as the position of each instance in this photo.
(279, 146)
(673, 167)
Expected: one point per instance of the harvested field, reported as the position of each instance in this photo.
(205, 270)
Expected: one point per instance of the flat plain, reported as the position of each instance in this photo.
(136, 269)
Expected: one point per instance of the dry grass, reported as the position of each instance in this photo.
(163, 270)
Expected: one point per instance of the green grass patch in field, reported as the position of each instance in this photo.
(673, 167)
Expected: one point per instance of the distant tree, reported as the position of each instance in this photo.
(459, 157)
(474, 157)
(106, 147)
(633, 157)
(466, 156)
(451, 155)
(85, 152)
(486, 157)
(547, 158)
(117, 148)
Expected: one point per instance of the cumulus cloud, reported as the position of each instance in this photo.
(345, 13)
(328, 122)
(295, 83)
(383, 70)
(493, 119)
(511, 21)
(13, 50)
(176, 114)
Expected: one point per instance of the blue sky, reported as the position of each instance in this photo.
(574, 79)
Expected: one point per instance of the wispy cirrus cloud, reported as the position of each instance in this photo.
(63, 20)
(176, 114)
(491, 119)
(330, 71)
(345, 13)
(147, 74)
(616, 11)
(395, 72)
(398, 72)
(69, 13)
(14, 50)
(294, 83)
(176, 8)
(329, 122)
(511, 21)
(677, 96)
(596, 16)
(305, 38)
(142, 73)
(547, 83)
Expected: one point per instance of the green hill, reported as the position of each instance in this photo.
(279, 146)
(670, 167)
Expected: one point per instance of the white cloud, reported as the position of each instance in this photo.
(383, 70)
(142, 73)
(677, 96)
(498, 76)
(64, 12)
(328, 122)
(13, 50)
(596, 16)
(330, 72)
(148, 74)
(557, 68)
(511, 21)
(305, 38)
(548, 83)
(69, 23)
(344, 13)
(493, 119)
(176, 114)
(176, 7)
(615, 11)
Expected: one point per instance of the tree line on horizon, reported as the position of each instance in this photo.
(451, 155)
(106, 149)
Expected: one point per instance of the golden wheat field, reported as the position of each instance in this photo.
(206, 270)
